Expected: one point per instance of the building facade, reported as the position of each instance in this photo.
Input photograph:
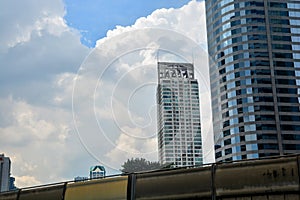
(97, 171)
(80, 178)
(4, 173)
(254, 49)
(12, 185)
(178, 115)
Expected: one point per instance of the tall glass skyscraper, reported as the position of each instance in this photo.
(254, 49)
(179, 132)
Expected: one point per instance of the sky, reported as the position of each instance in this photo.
(94, 17)
(78, 81)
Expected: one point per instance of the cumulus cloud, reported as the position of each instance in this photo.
(27, 180)
(112, 103)
(119, 80)
(128, 146)
(188, 20)
(32, 137)
(35, 119)
(35, 46)
(19, 20)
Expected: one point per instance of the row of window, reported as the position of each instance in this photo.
(182, 117)
(260, 53)
(178, 95)
(289, 72)
(277, 62)
(177, 112)
(247, 91)
(246, 100)
(174, 91)
(259, 50)
(243, 150)
(181, 129)
(169, 88)
(181, 146)
(256, 72)
(174, 81)
(255, 11)
(252, 118)
(226, 6)
(186, 105)
(263, 82)
(178, 121)
(262, 127)
(260, 108)
(249, 30)
(180, 101)
(195, 123)
(177, 146)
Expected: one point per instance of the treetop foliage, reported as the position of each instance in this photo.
(138, 165)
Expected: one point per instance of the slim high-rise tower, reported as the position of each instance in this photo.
(4, 173)
(254, 49)
(179, 133)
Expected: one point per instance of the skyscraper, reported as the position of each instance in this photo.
(4, 173)
(179, 133)
(254, 49)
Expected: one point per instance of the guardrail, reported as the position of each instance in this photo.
(269, 178)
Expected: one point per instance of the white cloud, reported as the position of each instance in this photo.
(121, 68)
(27, 181)
(128, 146)
(188, 20)
(34, 137)
(64, 87)
(36, 127)
(20, 19)
(113, 111)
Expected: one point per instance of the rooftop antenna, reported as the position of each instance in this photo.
(193, 58)
(157, 59)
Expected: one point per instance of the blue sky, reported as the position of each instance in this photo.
(93, 18)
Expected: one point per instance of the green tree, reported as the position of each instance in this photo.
(138, 165)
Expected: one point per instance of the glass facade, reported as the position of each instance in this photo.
(5, 165)
(254, 49)
(179, 133)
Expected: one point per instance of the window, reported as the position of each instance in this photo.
(283, 64)
(228, 151)
(265, 118)
(288, 99)
(267, 136)
(282, 55)
(279, 21)
(288, 109)
(282, 46)
(290, 127)
(287, 90)
(281, 38)
(291, 137)
(278, 5)
(268, 146)
(291, 146)
(265, 127)
(278, 13)
(289, 118)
